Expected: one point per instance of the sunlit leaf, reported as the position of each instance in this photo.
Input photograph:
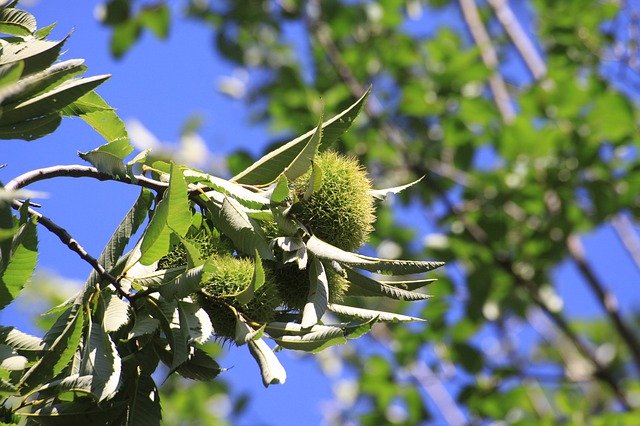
(116, 314)
(19, 266)
(369, 314)
(270, 368)
(269, 167)
(318, 294)
(18, 22)
(381, 194)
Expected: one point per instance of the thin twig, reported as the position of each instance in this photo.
(489, 58)
(626, 232)
(606, 299)
(518, 36)
(74, 246)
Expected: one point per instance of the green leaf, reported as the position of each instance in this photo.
(369, 314)
(143, 325)
(199, 366)
(409, 284)
(318, 294)
(101, 361)
(172, 214)
(10, 73)
(10, 359)
(60, 344)
(257, 281)
(270, 368)
(101, 116)
(184, 284)
(381, 194)
(17, 22)
(36, 54)
(272, 165)
(41, 82)
(116, 314)
(50, 101)
(22, 342)
(144, 403)
(315, 181)
(19, 266)
(243, 195)
(304, 159)
(244, 333)
(31, 129)
(175, 327)
(281, 190)
(232, 221)
(109, 158)
(326, 251)
(154, 278)
(360, 285)
(198, 322)
(156, 18)
(121, 236)
(312, 342)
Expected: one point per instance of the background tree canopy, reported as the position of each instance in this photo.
(522, 117)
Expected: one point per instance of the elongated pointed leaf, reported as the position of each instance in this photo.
(116, 314)
(241, 229)
(31, 129)
(21, 342)
(199, 366)
(256, 282)
(172, 214)
(42, 81)
(369, 314)
(99, 115)
(17, 22)
(121, 236)
(198, 321)
(143, 325)
(243, 195)
(281, 190)
(318, 294)
(183, 285)
(326, 251)
(37, 55)
(312, 342)
(144, 404)
(269, 167)
(19, 267)
(10, 73)
(381, 194)
(304, 159)
(315, 181)
(408, 284)
(101, 361)
(360, 285)
(154, 278)
(270, 368)
(60, 345)
(50, 101)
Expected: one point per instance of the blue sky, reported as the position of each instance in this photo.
(161, 84)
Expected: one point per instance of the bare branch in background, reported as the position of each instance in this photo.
(428, 381)
(490, 58)
(606, 299)
(518, 36)
(626, 232)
